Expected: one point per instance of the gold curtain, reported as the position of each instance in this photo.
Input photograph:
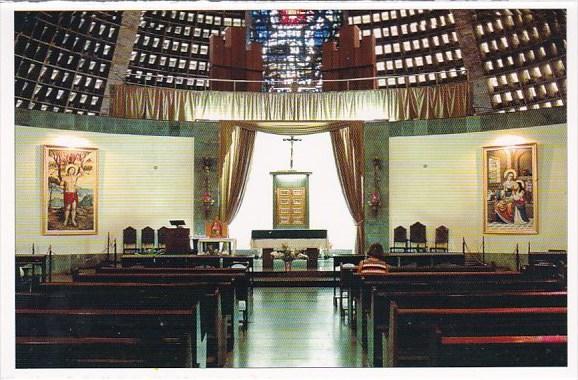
(350, 161)
(290, 128)
(235, 154)
(442, 101)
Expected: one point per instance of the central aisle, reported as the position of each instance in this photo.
(296, 327)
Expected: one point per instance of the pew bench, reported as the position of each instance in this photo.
(412, 333)
(85, 295)
(237, 289)
(378, 317)
(363, 284)
(98, 352)
(244, 284)
(155, 329)
(500, 351)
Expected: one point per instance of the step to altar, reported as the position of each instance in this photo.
(294, 278)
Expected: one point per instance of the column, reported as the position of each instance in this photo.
(376, 140)
(121, 57)
(472, 59)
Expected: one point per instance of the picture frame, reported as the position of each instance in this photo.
(510, 189)
(69, 191)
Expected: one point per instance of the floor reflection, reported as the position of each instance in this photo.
(296, 327)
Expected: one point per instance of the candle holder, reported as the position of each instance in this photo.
(207, 198)
(374, 201)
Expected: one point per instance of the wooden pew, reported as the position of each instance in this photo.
(242, 284)
(412, 332)
(90, 337)
(146, 296)
(238, 289)
(378, 317)
(189, 261)
(106, 269)
(500, 351)
(89, 352)
(362, 284)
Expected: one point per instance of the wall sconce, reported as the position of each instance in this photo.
(374, 201)
(207, 198)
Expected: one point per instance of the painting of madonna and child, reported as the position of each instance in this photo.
(510, 190)
(70, 191)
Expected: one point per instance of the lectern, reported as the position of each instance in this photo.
(178, 239)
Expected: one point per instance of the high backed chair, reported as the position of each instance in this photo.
(399, 240)
(442, 240)
(147, 239)
(129, 240)
(417, 238)
(161, 238)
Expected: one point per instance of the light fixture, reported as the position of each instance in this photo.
(70, 141)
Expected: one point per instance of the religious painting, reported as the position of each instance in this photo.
(70, 191)
(510, 189)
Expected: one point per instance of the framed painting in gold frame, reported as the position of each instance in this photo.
(69, 191)
(510, 175)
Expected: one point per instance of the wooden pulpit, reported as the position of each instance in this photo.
(178, 241)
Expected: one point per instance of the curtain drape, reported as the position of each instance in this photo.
(235, 155)
(394, 104)
(349, 158)
(291, 128)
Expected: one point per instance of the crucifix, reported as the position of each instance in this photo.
(291, 140)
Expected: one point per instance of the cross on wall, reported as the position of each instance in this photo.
(292, 140)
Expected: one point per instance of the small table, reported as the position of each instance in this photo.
(34, 261)
(229, 244)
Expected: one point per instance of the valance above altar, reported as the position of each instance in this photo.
(393, 104)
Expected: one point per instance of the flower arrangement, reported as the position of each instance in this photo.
(288, 255)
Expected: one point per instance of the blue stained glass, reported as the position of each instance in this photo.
(292, 42)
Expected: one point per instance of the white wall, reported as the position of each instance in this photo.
(438, 180)
(327, 209)
(143, 181)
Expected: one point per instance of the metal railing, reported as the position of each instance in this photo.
(387, 81)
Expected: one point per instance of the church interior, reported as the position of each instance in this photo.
(203, 188)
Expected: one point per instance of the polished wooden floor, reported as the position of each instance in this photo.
(296, 327)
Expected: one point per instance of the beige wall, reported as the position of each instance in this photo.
(131, 190)
(438, 180)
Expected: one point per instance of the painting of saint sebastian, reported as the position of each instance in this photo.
(70, 191)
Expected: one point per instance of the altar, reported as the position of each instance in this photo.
(310, 241)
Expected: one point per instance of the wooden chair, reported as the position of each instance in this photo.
(129, 240)
(161, 238)
(441, 241)
(417, 237)
(399, 237)
(346, 271)
(147, 239)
